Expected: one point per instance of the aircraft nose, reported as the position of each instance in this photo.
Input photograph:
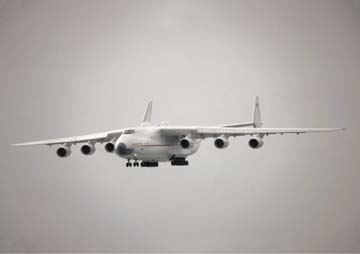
(121, 149)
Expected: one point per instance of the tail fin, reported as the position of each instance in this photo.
(147, 116)
(256, 120)
(256, 114)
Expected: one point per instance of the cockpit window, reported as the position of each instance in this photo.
(129, 131)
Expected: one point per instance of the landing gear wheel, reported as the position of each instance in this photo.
(149, 164)
(179, 162)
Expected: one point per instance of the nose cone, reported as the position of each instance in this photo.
(121, 149)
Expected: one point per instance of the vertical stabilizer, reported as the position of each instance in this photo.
(256, 115)
(147, 116)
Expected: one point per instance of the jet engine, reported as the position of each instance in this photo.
(186, 142)
(256, 142)
(88, 149)
(221, 142)
(63, 151)
(110, 147)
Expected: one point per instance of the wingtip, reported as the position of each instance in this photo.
(24, 144)
(16, 144)
(339, 129)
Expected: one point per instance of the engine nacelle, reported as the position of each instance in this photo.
(186, 143)
(110, 147)
(221, 142)
(63, 151)
(256, 142)
(88, 149)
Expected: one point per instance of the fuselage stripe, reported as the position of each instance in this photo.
(152, 145)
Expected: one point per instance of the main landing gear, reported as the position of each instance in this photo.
(149, 164)
(174, 162)
(179, 162)
(142, 164)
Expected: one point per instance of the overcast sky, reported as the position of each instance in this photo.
(77, 67)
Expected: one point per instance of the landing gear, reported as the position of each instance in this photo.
(149, 164)
(129, 164)
(179, 162)
(142, 164)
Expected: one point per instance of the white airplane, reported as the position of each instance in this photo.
(153, 144)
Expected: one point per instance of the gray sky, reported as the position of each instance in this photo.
(76, 67)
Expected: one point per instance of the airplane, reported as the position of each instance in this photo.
(152, 144)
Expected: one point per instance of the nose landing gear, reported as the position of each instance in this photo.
(129, 164)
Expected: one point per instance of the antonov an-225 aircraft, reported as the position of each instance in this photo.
(152, 144)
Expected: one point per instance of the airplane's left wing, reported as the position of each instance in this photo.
(205, 132)
(95, 138)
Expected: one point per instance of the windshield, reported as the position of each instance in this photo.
(129, 131)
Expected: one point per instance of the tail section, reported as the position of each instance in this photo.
(147, 115)
(256, 114)
(256, 119)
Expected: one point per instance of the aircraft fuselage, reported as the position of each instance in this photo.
(149, 144)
